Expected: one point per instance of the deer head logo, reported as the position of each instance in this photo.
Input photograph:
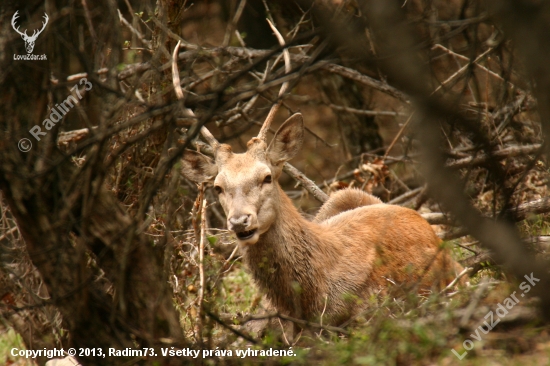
(29, 40)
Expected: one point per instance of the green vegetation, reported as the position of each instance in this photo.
(8, 340)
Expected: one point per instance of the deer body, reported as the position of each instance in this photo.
(332, 267)
(356, 246)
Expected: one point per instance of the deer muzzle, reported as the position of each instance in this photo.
(241, 225)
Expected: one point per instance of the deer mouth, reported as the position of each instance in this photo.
(244, 235)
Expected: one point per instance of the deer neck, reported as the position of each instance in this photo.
(283, 261)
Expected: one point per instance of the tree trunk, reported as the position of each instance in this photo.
(102, 274)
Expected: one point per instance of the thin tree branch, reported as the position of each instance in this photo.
(294, 320)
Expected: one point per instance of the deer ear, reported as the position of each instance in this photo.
(198, 167)
(288, 140)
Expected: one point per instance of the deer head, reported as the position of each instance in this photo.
(247, 183)
(29, 40)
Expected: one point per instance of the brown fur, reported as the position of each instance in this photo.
(345, 200)
(355, 247)
(345, 258)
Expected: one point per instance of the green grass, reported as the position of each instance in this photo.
(237, 291)
(8, 340)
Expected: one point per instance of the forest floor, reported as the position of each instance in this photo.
(491, 321)
(414, 330)
(409, 330)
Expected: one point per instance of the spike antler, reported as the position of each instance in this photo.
(286, 55)
(13, 19)
(267, 123)
(179, 93)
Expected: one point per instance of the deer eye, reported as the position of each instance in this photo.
(267, 179)
(218, 189)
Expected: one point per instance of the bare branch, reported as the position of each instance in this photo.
(364, 112)
(366, 80)
(201, 262)
(307, 183)
(134, 30)
(462, 69)
(507, 152)
(301, 322)
(465, 271)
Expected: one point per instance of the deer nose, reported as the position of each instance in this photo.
(239, 223)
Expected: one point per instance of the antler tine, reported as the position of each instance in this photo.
(179, 94)
(37, 32)
(13, 20)
(44, 23)
(286, 55)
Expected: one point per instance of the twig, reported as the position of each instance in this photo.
(9, 232)
(364, 112)
(405, 196)
(322, 314)
(455, 281)
(457, 23)
(499, 154)
(490, 72)
(295, 320)
(133, 69)
(201, 262)
(81, 75)
(64, 138)
(248, 53)
(89, 20)
(366, 80)
(173, 35)
(283, 332)
(453, 234)
(222, 269)
(398, 135)
(473, 303)
(134, 30)
(503, 115)
(475, 261)
(239, 38)
(467, 248)
(231, 25)
(230, 328)
(520, 212)
(436, 218)
(461, 70)
(307, 183)
(252, 100)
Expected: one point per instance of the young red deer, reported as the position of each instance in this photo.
(355, 247)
